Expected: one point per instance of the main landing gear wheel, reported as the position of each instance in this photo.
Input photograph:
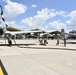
(9, 43)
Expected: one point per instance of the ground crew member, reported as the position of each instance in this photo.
(64, 41)
(57, 40)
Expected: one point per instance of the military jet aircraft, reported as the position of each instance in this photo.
(12, 30)
(65, 34)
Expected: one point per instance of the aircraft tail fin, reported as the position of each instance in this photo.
(62, 30)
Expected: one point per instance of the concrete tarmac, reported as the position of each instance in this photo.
(35, 59)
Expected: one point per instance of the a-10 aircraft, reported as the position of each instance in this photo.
(65, 34)
(12, 30)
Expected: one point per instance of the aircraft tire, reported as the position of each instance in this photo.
(10, 43)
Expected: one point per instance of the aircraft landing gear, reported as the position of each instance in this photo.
(9, 42)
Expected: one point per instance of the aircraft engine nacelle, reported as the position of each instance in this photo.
(1, 31)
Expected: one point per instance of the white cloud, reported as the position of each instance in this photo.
(12, 24)
(73, 14)
(45, 14)
(55, 25)
(13, 9)
(37, 20)
(34, 6)
(41, 17)
(63, 13)
(71, 23)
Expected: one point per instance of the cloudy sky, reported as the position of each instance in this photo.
(44, 14)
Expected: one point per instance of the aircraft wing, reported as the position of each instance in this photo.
(21, 32)
(70, 34)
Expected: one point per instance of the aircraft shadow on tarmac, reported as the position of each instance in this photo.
(30, 46)
(16, 44)
(69, 43)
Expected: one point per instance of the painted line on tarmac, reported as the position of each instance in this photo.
(47, 48)
(2, 69)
